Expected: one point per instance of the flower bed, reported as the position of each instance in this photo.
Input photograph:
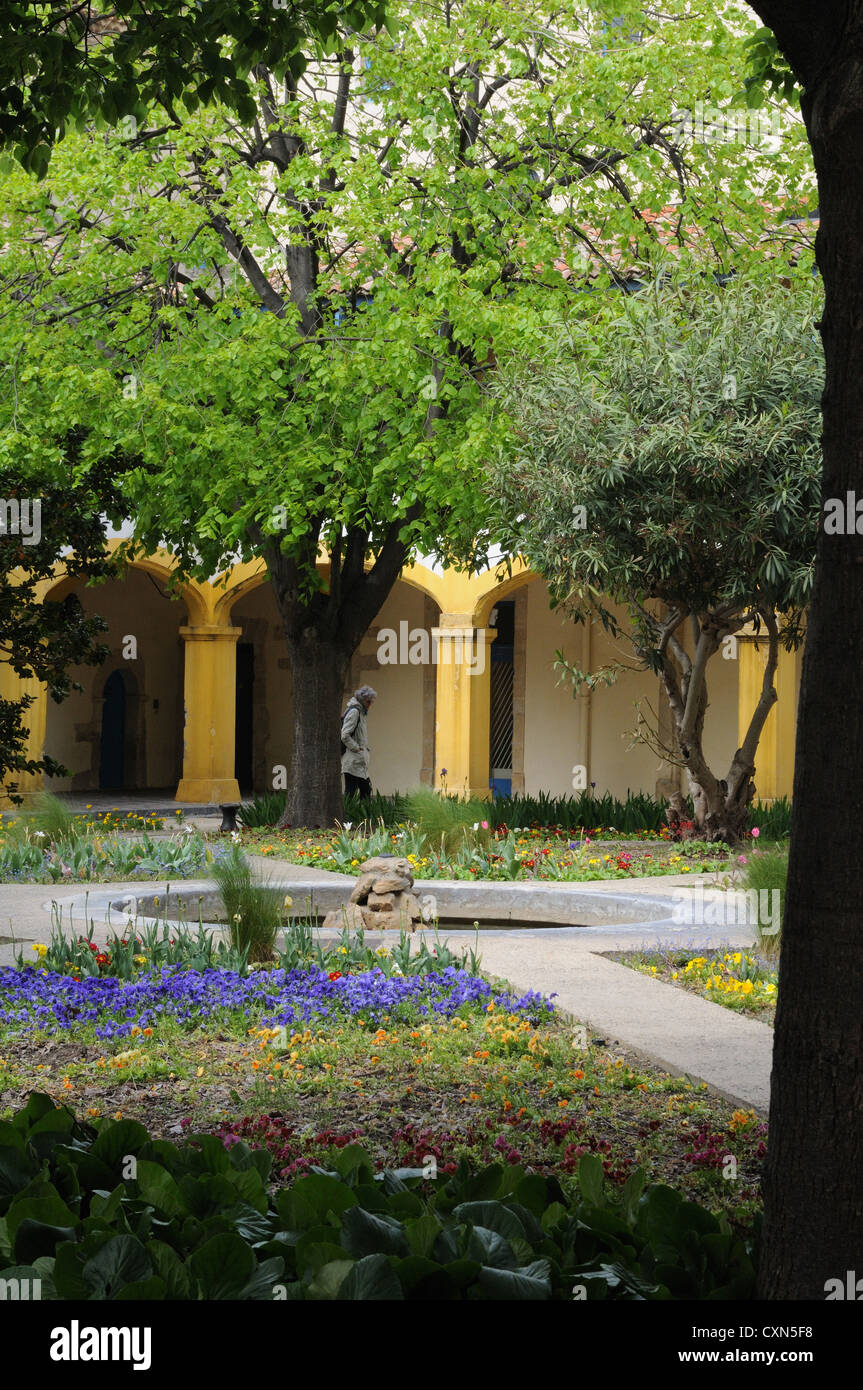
(42, 999)
(503, 854)
(32, 856)
(736, 979)
(444, 1066)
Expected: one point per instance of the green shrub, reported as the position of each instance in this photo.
(263, 811)
(767, 870)
(266, 810)
(254, 910)
(450, 823)
(52, 816)
(198, 1220)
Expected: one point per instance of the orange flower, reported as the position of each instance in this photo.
(579, 1075)
(507, 1105)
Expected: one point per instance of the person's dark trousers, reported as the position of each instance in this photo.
(358, 786)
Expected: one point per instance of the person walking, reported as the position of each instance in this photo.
(355, 743)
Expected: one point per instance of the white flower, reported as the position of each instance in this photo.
(349, 825)
(235, 835)
(38, 834)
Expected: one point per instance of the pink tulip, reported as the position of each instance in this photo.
(755, 832)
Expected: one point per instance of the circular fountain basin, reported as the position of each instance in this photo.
(455, 904)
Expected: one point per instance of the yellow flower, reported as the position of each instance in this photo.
(40, 949)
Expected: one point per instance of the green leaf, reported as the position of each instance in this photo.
(532, 1282)
(118, 1139)
(159, 1189)
(590, 1178)
(35, 1238)
(329, 1279)
(365, 1233)
(121, 1260)
(371, 1278)
(222, 1267)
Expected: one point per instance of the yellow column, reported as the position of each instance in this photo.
(774, 760)
(463, 706)
(13, 687)
(210, 705)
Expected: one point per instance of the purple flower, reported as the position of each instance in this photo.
(31, 1000)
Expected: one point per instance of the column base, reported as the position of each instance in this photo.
(212, 791)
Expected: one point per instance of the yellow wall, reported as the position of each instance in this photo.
(425, 719)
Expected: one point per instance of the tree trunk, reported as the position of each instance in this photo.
(720, 810)
(813, 1230)
(319, 669)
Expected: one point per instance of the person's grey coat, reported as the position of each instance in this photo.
(355, 759)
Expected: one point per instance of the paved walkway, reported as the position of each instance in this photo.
(680, 1032)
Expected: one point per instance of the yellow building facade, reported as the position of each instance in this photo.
(195, 697)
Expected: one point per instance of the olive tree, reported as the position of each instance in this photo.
(662, 458)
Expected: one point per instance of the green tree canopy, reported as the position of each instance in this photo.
(664, 456)
(290, 320)
(63, 63)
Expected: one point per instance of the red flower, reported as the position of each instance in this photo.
(335, 974)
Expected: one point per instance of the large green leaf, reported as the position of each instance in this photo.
(532, 1282)
(35, 1238)
(371, 1278)
(159, 1189)
(367, 1233)
(122, 1260)
(222, 1267)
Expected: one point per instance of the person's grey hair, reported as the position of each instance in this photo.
(365, 692)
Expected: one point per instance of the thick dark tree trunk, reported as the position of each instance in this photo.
(319, 669)
(813, 1191)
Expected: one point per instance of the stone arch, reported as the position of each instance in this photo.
(153, 675)
(493, 590)
(161, 566)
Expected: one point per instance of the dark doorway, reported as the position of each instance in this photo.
(112, 750)
(501, 711)
(244, 744)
